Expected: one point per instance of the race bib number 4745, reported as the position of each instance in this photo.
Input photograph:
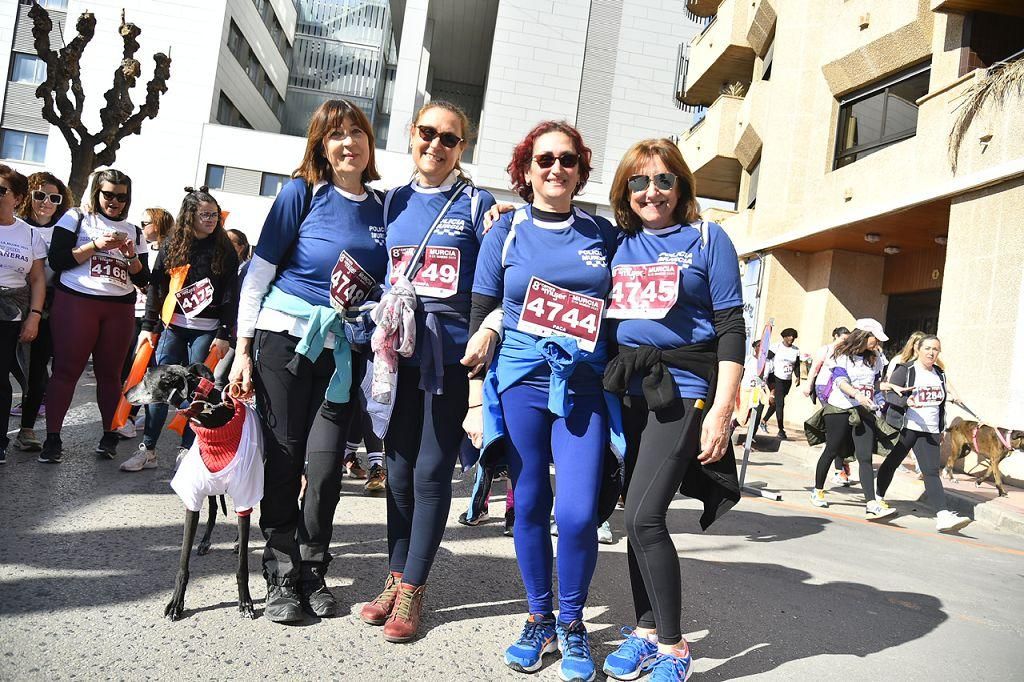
(438, 274)
(550, 310)
(643, 292)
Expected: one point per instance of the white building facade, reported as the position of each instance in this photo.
(245, 73)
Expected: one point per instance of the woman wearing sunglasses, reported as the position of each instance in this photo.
(22, 287)
(99, 258)
(546, 267)
(676, 296)
(46, 201)
(324, 227)
(430, 387)
(192, 293)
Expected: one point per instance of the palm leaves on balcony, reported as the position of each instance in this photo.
(1002, 81)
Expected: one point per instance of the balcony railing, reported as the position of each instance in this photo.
(720, 56)
(1007, 7)
(702, 8)
(709, 148)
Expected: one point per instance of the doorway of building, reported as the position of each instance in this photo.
(908, 313)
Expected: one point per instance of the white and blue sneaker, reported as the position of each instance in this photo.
(669, 668)
(625, 663)
(538, 638)
(577, 663)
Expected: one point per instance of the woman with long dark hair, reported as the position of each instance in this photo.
(99, 258)
(46, 201)
(192, 292)
(293, 353)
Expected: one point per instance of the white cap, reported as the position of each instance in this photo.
(873, 326)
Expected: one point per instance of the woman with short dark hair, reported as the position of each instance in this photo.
(99, 258)
(786, 371)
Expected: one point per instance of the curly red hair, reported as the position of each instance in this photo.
(522, 157)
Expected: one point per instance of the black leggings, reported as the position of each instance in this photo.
(838, 431)
(40, 353)
(660, 447)
(421, 447)
(9, 332)
(926, 448)
(780, 390)
(300, 428)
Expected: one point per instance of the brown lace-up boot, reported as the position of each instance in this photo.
(377, 611)
(405, 617)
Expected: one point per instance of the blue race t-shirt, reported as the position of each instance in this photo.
(444, 278)
(709, 280)
(306, 254)
(573, 254)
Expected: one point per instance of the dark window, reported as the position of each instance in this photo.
(989, 38)
(28, 68)
(229, 115)
(766, 68)
(214, 176)
(21, 146)
(271, 184)
(879, 115)
(755, 173)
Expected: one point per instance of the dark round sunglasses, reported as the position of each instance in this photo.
(663, 181)
(40, 195)
(428, 133)
(119, 197)
(547, 159)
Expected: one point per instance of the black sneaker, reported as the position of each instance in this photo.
(282, 605)
(480, 518)
(782, 435)
(108, 445)
(314, 592)
(52, 450)
(510, 522)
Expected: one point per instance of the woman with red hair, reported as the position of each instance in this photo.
(546, 266)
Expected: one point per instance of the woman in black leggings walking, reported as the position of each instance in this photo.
(786, 372)
(917, 406)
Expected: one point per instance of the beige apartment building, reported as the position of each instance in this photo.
(828, 123)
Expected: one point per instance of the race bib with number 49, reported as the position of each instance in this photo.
(350, 283)
(195, 298)
(438, 274)
(550, 310)
(109, 269)
(643, 292)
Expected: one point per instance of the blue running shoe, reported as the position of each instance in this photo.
(669, 668)
(577, 663)
(538, 638)
(625, 662)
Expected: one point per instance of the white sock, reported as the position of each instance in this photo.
(375, 458)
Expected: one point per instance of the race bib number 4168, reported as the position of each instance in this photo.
(438, 274)
(109, 269)
(643, 292)
(550, 310)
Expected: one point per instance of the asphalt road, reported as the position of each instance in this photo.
(775, 590)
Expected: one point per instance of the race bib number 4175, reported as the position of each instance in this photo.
(550, 310)
(643, 292)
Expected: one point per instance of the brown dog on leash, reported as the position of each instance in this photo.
(991, 443)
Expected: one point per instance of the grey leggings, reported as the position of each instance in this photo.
(926, 448)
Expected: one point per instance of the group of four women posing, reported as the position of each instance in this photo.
(603, 332)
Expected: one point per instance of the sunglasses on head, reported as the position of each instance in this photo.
(428, 133)
(119, 197)
(663, 181)
(40, 195)
(567, 159)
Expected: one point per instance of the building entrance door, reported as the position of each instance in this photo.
(908, 313)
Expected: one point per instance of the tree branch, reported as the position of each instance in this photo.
(62, 72)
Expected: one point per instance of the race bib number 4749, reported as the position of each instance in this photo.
(438, 274)
(550, 310)
(643, 292)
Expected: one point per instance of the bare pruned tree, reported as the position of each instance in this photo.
(118, 118)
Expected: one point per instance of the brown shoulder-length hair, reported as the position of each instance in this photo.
(164, 222)
(856, 344)
(686, 211)
(178, 247)
(114, 177)
(36, 181)
(329, 116)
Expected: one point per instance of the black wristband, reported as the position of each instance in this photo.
(37, 312)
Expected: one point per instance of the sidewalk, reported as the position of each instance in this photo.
(798, 459)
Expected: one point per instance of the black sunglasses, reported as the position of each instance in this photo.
(40, 195)
(119, 197)
(428, 133)
(547, 159)
(663, 181)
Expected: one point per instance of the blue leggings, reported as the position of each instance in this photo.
(576, 444)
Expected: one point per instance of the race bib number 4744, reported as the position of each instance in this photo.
(643, 292)
(550, 310)
(438, 274)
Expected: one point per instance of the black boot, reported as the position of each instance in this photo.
(108, 445)
(52, 449)
(314, 592)
(282, 604)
